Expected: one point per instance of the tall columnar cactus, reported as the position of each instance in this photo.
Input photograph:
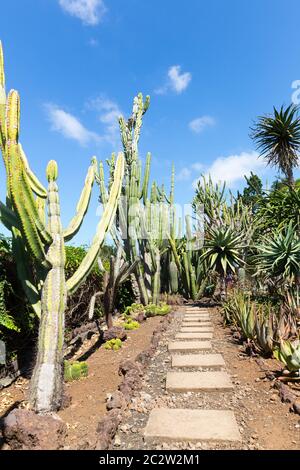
(39, 246)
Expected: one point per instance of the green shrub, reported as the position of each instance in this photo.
(113, 344)
(153, 310)
(75, 370)
(133, 310)
(131, 324)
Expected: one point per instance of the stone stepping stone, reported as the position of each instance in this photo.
(194, 319)
(196, 329)
(198, 360)
(198, 381)
(188, 346)
(196, 309)
(194, 336)
(188, 318)
(191, 324)
(192, 425)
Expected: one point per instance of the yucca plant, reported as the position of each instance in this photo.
(278, 256)
(278, 139)
(222, 250)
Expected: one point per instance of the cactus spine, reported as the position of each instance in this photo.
(43, 246)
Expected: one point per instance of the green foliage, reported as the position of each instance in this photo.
(133, 310)
(289, 354)
(278, 256)
(131, 324)
(280, 207)
(113, 344)
(238, 309)
(222, 250)
(252, 192)
(161, 309)
(6, 320)
(278, 139)
(75, 370)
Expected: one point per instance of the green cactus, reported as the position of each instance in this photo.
(131, 324)
(39, 247)
(75, 370)
(113, 344)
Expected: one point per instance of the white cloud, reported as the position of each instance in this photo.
(69, 126)
(234, 167)
(199, 124)
(90, 12)
(197, 166)
(184, 174)
(177, 81)
(109, 113)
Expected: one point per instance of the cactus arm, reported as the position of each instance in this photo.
(8, 217)
(174, 251)
(82, 205)
(103, 227)
(24, 272)
(144, 193)
(18, 186)
(101, 183)
(126, 271)
(34, 182)
(41, 206)
(93, 303)
(3, 134)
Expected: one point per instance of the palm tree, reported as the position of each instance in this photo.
(278, 139)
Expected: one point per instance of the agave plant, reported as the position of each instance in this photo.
(279, 256)
(240, 311)
(278, 139)
(222, 250)
(264, 329)
(289, 354)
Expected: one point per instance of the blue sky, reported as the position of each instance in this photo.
(210, 68)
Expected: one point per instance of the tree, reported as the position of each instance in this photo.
(278, 139)
(252, 192)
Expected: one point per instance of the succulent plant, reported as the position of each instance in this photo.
(39, 245)
(75, 370)
(113, 344)
(289, 354)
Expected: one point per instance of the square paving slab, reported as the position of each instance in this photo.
(188, 346)
(196, 310)
(185, 324)
(196, 329)
(196, 318)
(198, 360)
(194, 336)
(192, 425)
(198, 381)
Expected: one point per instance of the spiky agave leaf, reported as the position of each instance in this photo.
(222, 249)
(279, 255)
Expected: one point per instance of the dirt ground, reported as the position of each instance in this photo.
(89, 395)
(264, 421)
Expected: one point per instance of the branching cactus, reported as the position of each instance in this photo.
(39, 245)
